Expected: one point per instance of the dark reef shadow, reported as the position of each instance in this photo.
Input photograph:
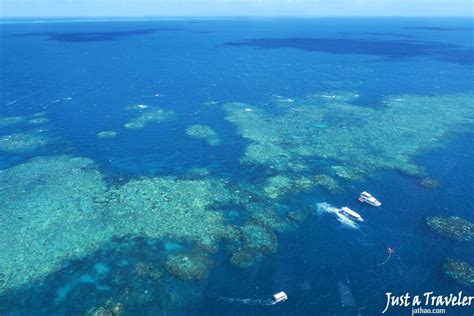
(93, 36)
(391, 49)
(389, 34)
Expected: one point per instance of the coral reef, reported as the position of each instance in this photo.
(296, 216)
(327, 182)
(49, 213)
(267, 218)
(147, 270)
(430, 183)
(6, 121)
(277, 186)
(106, 134)
(24, 141)
(243, 258)
(109, 308)
(461, 271)
(340, 133)
(452, 227)
(258, 239)
(188, 266)
(62, 204)
(151, 116)
(164, 207)
(203, 132)
(38, 121)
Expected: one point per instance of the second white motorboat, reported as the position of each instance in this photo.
(369, 199)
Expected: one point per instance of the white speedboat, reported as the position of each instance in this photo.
(279, 297)
(347, 212)
(369, 199)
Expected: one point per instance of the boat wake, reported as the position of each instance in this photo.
(326, 208)
(248, 301)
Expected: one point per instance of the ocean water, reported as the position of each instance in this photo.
(230, 142)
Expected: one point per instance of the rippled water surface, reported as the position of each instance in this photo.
(179, 167)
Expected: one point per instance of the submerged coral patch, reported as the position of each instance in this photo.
(24, 141)
(188, 266)
(106, 134)
(149, 117)
(460, 271)
(258, 239)
(6, 121)
(38, 121)
(452, 227)
(203, 132)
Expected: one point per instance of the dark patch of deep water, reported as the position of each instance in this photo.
(85, 75)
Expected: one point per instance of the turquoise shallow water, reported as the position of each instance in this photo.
(178, 166)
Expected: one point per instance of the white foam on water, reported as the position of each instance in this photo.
(249, 301)
(326, 208)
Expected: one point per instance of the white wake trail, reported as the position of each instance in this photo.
(326, 208)
(248, 301)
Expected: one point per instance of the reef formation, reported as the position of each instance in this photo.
(58, 208)
(148, 117)
(24, 141)
(205, 133)
(460, 271)
(106, 134)
(342, 136)
(188, 266)
(452, 227)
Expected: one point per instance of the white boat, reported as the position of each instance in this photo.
(347, 212)
(280, 297)
(369, 199)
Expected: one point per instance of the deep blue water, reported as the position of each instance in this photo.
(85, 73)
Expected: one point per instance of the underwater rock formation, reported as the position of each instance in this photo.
(452, 227)
(152, 116)
(203, 132)
(24, 142)
(188, 266)
(106, 134)
(461, 271)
